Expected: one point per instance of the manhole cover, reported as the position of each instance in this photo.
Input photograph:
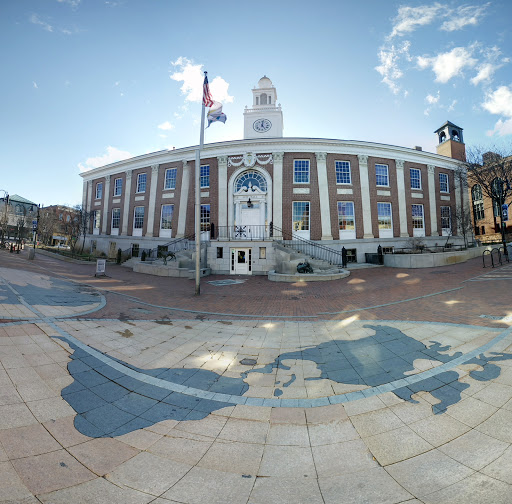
(248, 362)
(219, 283)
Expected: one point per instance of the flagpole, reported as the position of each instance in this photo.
(198, 203)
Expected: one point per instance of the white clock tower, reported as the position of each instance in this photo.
(265, 118)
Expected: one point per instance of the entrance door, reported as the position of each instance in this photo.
(250, 226)
(241, 261)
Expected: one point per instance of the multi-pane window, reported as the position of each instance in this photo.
(116, 218)
(141, 182)
(167, 211)
(443, 182)
(204, 175)
(97, 219)
(384, 215)
(118, 186)
(170, 178)
(343, 172)
(346, 215)
(99, 190)
(205, 217)
(415, 178)
(446, 218)
(301, 171)
(381, 175)
(301, 216)
(417, 217)
(478, 202)
(138, 219)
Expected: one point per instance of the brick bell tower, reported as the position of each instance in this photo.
(451, 142)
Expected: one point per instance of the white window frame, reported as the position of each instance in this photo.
(307, 165)
(347, 234)
(446, 231)
(343, 173)
(204, 178)
(380, 165)
(118, 189)
(166, 231)
(206, 220)
(99, 190)
(96, 222)
(138, 224)
(114, 231)
(385, 232)
(305, 227)
(416, 170)
(416, 229)
(171, 186)
(139, 183)
(447, 183)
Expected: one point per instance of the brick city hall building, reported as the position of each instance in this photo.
(337, 193)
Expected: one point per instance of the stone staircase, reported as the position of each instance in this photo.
(287, 260)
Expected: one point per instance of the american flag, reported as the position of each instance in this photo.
(207, 97)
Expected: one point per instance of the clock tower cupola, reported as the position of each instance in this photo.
(265, 118)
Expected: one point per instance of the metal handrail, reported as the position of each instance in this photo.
(249, 232)
(308, 247)
(172, 246)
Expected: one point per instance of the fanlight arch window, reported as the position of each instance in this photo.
(248, 181)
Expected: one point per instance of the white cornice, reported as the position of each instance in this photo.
(268, 145)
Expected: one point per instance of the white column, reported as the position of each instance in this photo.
(458, 202)
(365, 196)
(106, 197)
(152, 200)
(402, 207)
(432, 200)
(323, 193)
(89, 196)
(277, 187)
(126, 206)
(84, 195)
(222, 163)
(182, 216)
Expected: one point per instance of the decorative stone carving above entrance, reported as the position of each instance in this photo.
(249, 159)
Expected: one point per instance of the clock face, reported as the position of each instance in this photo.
(262, 125)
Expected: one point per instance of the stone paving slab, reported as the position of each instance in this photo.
(160, 409)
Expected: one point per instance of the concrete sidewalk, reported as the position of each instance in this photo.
(388, 386)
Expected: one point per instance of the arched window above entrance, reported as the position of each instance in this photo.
(249, 181)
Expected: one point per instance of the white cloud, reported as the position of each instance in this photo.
(431, 100)
(450, 64)
(34, 85)
(389, 68)
(499, 102)
(34, 19)
(466, 15)
(111, 156)
(409, 18)
(451, 108)
(166, 126)
(192, 77)
(73, 3)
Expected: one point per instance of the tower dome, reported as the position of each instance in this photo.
(264, 82)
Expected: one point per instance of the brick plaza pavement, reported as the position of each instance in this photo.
(384, 387)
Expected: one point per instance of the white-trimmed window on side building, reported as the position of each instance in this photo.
(166, 220)
(346, 220)
(99, 190)
(385, 220)
(301, 171)
(446, 220)
(141, 182)
(116, 221)
(205, 222)
(415, 178)
(382, 175)
(300, 218)
(343, 172)
(418, 221)
(138, 220)
(170, 178)
(96, 222)
(204, 176)
(118, 186)
(443, 183)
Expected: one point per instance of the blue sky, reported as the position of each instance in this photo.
(88, 82)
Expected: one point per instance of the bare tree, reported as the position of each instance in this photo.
(81, 223)
(46, 226)
(4, 224)
(492, 171)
